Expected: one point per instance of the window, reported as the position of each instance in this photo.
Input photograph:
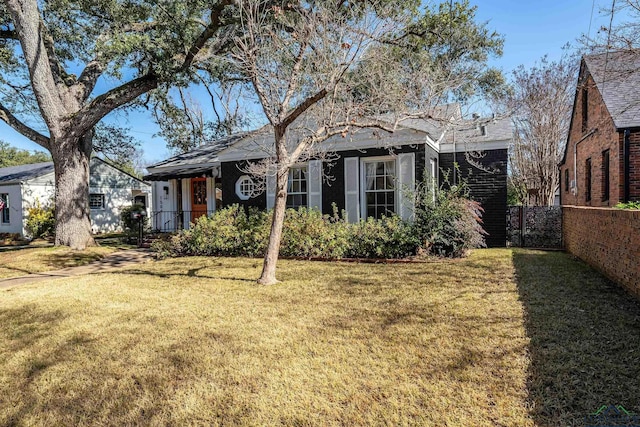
(297, 187)
(605, 175)
(4, 208)
(587, 179)
(245, 187)
(585, 108)
(379, 187)
(566, 180)
(96, 201)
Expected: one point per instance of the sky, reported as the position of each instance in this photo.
(531, 29)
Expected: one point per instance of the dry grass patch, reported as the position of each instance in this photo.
(194, 341)
(20, 262)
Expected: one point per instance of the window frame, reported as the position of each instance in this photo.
(585, 108)
(587, 179)
(363, 183)
(606, 174)
(304, 172)
(240, 187)
(5, 216)
(102, 202)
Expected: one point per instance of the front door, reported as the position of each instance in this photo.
(198, 198)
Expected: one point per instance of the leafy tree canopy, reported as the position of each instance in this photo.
(12, 156)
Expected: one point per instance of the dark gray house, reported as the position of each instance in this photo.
(367, 173)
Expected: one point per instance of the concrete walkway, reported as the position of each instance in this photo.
(110, 262)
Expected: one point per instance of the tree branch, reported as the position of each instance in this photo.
(208, 33)
(8, 35)
(304, 106)
(7, 117)
(102, 105)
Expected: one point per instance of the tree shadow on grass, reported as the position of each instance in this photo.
(585, 338)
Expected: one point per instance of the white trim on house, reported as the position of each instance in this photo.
(461, 147)
(363, 180)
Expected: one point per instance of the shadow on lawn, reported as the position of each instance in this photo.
(585, 338)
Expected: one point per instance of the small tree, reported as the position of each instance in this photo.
(540, 99)
(325, 68)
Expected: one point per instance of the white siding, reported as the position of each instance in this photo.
(15, 224)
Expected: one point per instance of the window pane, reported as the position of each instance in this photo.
(390, 198)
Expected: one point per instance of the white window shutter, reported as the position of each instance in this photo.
(406, 184)
(186, 202)
(211, 194)
(271, 189)
(352, 188)
(314, 176)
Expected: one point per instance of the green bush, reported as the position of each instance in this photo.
(447, 222)
(387, 237)
(307, 233)
(228, 232)
(41, 221)
(628, 205)
(447, 228)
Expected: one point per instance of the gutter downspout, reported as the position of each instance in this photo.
(626, 148)
(575, 159)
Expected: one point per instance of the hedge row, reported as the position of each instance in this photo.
(448, 224)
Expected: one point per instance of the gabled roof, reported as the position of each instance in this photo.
(257, 144)
(617, 77)
(207, 153)
(22, 173)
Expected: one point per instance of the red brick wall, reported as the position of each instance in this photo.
(605, 137)
(607, 239)
(634, 165)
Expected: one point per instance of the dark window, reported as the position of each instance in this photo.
(96, 201)
(605, 175)
(585, 109)
(566, 180)
(4, 208)
(297, 188)
(380, 194)
(587, 180)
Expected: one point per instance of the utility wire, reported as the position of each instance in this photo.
(593, 5)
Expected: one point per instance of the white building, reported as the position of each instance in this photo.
(110, 190)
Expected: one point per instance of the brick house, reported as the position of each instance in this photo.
(601, 163)
(369, 173)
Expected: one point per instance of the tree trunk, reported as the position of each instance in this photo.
(71, 160)
(268, 276)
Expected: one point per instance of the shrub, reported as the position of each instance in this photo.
(308, 233)
(228, 232)
(387, 237)
(447, 222)
(130, 225)
(41, 221)
(628, 205)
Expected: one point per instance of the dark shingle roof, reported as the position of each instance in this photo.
(22, 173)
(206, 153)
(617, 76)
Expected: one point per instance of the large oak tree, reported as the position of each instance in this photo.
(53, 56)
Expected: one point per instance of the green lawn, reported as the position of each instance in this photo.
(511, 338)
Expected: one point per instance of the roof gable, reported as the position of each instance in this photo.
(617, 77)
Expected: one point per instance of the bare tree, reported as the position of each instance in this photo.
(325, 68)
(540, 99)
